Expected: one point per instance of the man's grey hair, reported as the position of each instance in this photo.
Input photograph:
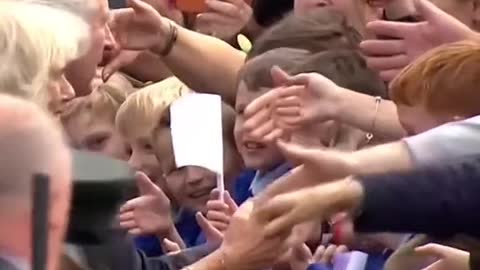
(86, 9)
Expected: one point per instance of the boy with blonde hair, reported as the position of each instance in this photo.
(136, 120)
(89, 122)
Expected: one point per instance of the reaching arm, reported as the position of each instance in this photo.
(435, 200)
(205, 64)
(360, 110)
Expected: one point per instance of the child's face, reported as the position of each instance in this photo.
(143, 158)
(415, 119)
(256, 155)
(189, 186)
(97, 135)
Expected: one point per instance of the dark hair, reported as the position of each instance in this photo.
(268, 12)
(320, 30)
(256, 72)
(346, 68)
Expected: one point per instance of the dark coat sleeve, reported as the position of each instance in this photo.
(440, 200)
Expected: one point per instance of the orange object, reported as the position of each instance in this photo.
(195, 6)
(191, 6)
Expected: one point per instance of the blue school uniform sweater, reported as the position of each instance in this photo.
(186, 224)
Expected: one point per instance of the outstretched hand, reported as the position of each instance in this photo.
(448, 258)
(139, 27)
(315, 166)
(220, 212)
(283, 212)
(402, 42)
(149, 213)
(298, 101)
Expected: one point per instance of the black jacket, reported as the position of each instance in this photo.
(440, 200)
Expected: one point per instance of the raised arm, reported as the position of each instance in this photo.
(204, 63)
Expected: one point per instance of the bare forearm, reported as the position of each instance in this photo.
(206, 64)
(360, 111)
(382, 159)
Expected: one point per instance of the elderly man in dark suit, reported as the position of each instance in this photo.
(31, 143)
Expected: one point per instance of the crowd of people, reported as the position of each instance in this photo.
(348, 132)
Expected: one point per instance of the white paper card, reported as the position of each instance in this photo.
(197, 135)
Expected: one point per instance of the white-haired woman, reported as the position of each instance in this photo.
(36, 44)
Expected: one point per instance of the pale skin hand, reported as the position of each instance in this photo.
(244, 246)
(149, 213)
(224, 19)
(220, 212)
(302, 257)
(283, 212)
(309, 98)
(407, 41)
(141, 27)
(449, 258)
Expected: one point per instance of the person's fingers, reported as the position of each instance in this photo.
(210, 20)
(279, 77)
(328, 255)
(300, 80)
(294, 152)
(220, 226)
(146, 186)
(126, 216)
(434, 250)
(287, 111)
(389, 75)
(139, 6)
(318, 255)
(341, 249)
(135, 231)
(217, 206)
(287, 100)
(214, 196)
(113, 66)
(218, 216)
(383, 47)
(302, 252)
(289, 122)
(388, 62)
(438, 265)
(281, 224)
(260, 103)
(263, 130)
(128, 225)
(274, 135)
(223, 7)
(259, 118)
(391, 29)
(170, 246)
(211, 233)
(131, 205)
(232, 205)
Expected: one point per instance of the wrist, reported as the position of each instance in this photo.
(346, 196)
(342, 105)
(163, 33)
